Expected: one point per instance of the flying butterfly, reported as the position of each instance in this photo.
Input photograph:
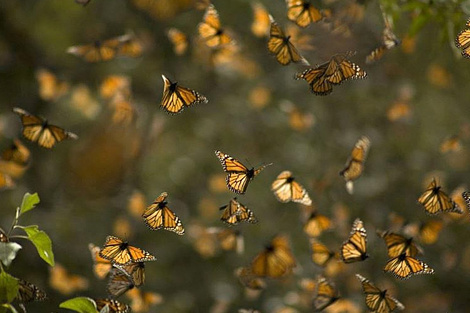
(302, 12)
(135, 271)
(99, 51)
(238, 175)
(179, 40)
(354, 249)
(389, 41)
(322, 77)
(121, 253)
(261, 24)
(429, 231)
(355, 163)
(286, 189)
(114, 306)
(211, 31)
(230, 240)
(275, 261)
(325, 294)
(279, 44)
(463, 40)
(435, 200)
(50, 88)
(321, 255)
(28, 292)
(397, 244)
(158, 216)
(39, 130)
(119, 283)
(248, 279)
(378, 300)
(17, 153)
(316, 224)
(143, 301)
(235, 212)
(176, 98)
(466, 197)
(101, 266)
(404, 266)
(65, 282)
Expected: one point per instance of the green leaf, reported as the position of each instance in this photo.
(29, 202)
(80, 304)
(7, 307)
(8, 287)
(42, 242)
(8, 252)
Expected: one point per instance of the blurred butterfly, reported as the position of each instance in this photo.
(230, 240)
(429, 231)
(463, 40)
(119, 283)
(398, 244)
(179, 40)
(404, 266)
(114, 84)
(143, 301)
(135, 271)
(399, 110)
(238, 175)
(466, 197)
(211, 31)
(249, 280)
(6, 182)
(275, 261)
(121, 253)
(316, 224)
(355, 164)
(261, 23)
(28, 292)
(435, 200)
(354, 249)
(322, 77)
(101, 266)
(279, 44)
(50, 88)
(389, 41)
(235, 212)
(130, 46)
(451, 144)
(38, 130)
(325, 294)
(286, 189)
(16, 153)
(302, 12)
(321, 255)
(158, 216)
(124, 112)
(378, 300)
(176, 98)
(64, 282)
(114, 306)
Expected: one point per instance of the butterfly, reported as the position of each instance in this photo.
(38, 130)
(451, 144)
(115, 84)
(429, 231)
(275, 261)
(355, 164)
(389, 41)
(354, 249)
(378, 300)
(302, 12)
(143, 301)
(101, 266)
(397, 244)
(279, 44)
(158, 216)
(179, 40)
(321, 255)
(286, 189)
(261, 23)
(176, 98)
(211, 31)
(119, 283)
(121, 253)
(236, 212)
(316, 224)
(325, 294)
(466, 197)
(17, 153)
(114, 306)
(130, 46)
(463, 40)
(50, 88)
(136, 271)
(248, 279)
(404, 266)
(435, 200)
(64, 282)
(28, 292)
(99, 51)
(322, 77)
(238, 175)
(230, 240)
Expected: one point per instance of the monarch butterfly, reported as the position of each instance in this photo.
(50, 88)
(179, 40)
(238, 175)
(435, 200)
(316, 224)
(302, 12)
(248, 279)
(321, 255)
(355, 164)
(114, 306)
(28, 292)
(130, 46)
(16, 153)
(101, 266)
(325, 294)
(463, 40)
(279, 44)
(119, 283)
(451, 144)
(158, 216)
(176, 98)
(236, 212)
(65, 282)
(143, 301)
(230, 240)
(378, 300)
(261, 23)
(38, 130)
(322, 77)
(286, 189)
(397, 244)
(275, 261)
(135, 271)
(211, 31)
(121, 253)
(429, 231)
(354, 249)
(389, 41)
(466, 197)
(404, 266)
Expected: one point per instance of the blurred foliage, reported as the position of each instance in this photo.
(411, 106)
